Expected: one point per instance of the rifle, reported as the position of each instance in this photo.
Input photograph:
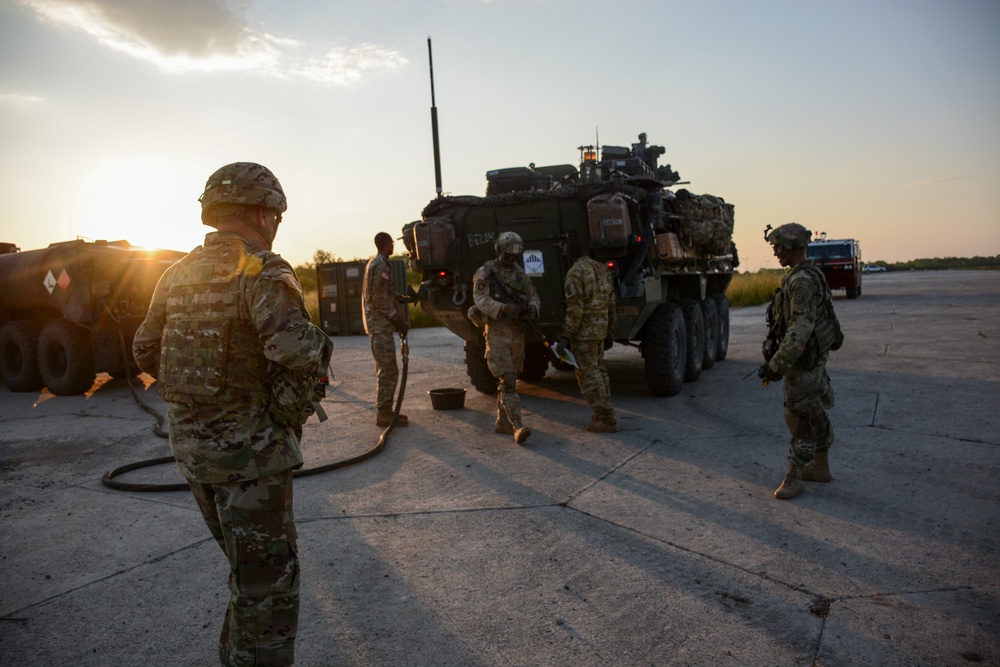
(521, 300)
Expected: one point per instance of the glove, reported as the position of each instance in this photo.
(767, 375)
(529, 313)
(608, 342)
(563, 343)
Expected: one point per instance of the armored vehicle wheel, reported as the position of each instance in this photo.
(65, 359)
(664, 347)
(710, 313)
(475, 365)
(19, 355)
(694, 323)
(722, 305)
(536, 362)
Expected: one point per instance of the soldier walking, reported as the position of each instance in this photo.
(228, 338)
(590, 321)
(383, 315)
(507, 299)
(803, 329)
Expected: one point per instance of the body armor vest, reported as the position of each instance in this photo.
(210, 346)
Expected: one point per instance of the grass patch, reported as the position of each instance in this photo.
(753, 289)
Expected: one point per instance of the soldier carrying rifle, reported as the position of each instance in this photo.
(506, 300)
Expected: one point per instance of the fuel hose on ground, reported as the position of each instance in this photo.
(109, 477)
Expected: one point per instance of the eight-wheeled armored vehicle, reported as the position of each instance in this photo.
(70, 311)
(669, 251)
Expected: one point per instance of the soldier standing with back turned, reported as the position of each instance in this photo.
(803, 328)
(228, 338)
(590, 321)
(506, 298)
(383, 315)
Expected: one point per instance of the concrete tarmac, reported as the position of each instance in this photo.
(658, 545)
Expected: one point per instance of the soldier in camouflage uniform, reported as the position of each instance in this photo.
(507, 299)
(229, 340)
(801, 309)
(590, 321)
(383, 315)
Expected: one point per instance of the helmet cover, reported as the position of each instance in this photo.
(246, 183)
(791, 235)
(509, 242)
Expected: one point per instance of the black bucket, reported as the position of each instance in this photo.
(447, 399)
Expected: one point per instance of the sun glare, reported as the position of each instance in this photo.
(146, 201)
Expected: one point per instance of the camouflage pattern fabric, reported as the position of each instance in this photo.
(253, 523)
(807, 391)
(504, 338)
(222, 321)
(592, 376)
(590, 301)
(386, 369)
(590, 316)
(378, 297)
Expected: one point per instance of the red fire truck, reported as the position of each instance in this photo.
(840, 261)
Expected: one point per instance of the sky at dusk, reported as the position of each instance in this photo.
(875, 119)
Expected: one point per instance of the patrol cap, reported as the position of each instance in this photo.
(509, 242)
(246, 183)
(791, 235)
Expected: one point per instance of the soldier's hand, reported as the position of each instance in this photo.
(767, 375)
(563, 343)
(529, 312)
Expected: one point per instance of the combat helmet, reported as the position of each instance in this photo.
(791, 235)
(509, 242)
(246, 183)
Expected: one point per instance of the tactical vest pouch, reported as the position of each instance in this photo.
(197, 360)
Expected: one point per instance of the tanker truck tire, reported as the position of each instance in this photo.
(710, 313)
(536, 362)
(65, 359)
(475, 366)
(664, 347)
(694, 324)
(19, 355)
(722, 305)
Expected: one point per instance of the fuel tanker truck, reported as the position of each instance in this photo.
(670, 252)
(70, 311)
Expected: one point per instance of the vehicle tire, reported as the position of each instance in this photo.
(722, 306)
(65, 358)
(19, 355)
(694, 323)
(853, 292)
(710, 313)
(536, 362)
(475, 365)
(664, 347)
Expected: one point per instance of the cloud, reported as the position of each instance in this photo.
(19, 98)
(207, 35)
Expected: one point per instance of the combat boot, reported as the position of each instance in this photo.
(818, 469)
(384, 418)
(503, 426)
(792, 486)
(603, 426)
(521, 434)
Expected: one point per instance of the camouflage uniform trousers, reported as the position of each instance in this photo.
(386, 369)
(254, 524)
(807, 396)
(505, 359)
(592, 377)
